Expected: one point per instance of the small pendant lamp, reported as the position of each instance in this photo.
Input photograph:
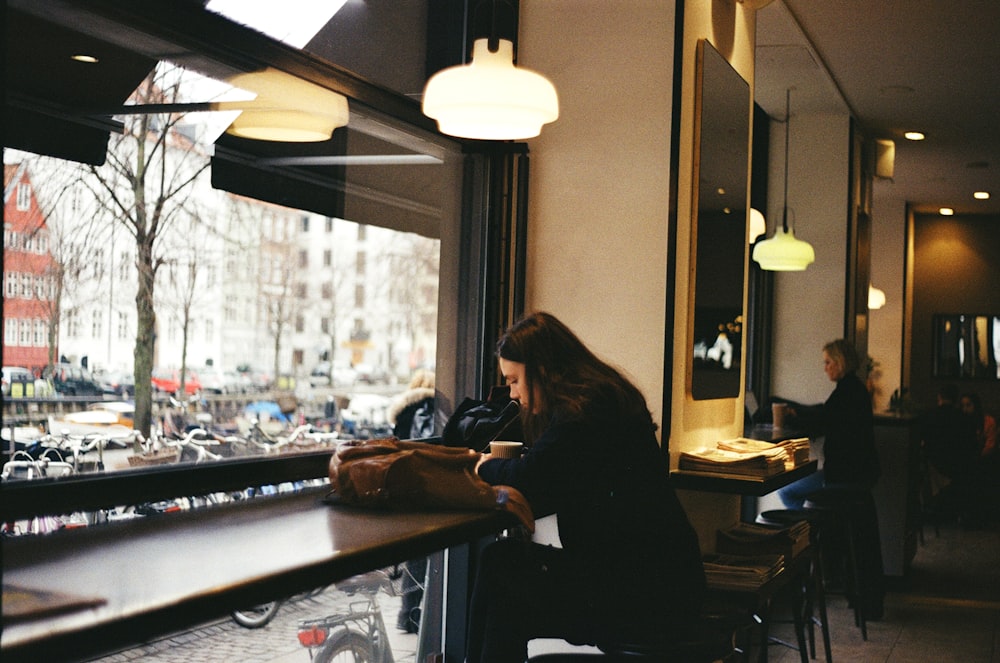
(782, 252)
(489, 98)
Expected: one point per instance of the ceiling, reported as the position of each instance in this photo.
(921, 65)
(896, 66)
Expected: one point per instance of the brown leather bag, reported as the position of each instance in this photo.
(390, 473)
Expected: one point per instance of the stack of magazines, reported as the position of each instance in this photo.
(753, 539)
(795, 451)
(741, 464)
(741, 572)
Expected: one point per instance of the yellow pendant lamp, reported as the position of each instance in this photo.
(783, 252)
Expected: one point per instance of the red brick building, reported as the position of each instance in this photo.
(27, 270)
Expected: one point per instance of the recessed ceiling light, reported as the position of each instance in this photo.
(946, 211)
(913, 135)
(981, 195)
(89, 59)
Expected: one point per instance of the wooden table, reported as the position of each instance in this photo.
(160, 574)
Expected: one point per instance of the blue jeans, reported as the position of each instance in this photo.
(793, 496)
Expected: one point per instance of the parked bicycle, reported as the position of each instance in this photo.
(357, 634)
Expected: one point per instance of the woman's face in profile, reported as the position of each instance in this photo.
(967, 406)
(831, 368)
(514, 373)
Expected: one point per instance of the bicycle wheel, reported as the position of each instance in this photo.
(258, 616)
(346, 647)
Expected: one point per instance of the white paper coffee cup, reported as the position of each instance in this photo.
(506, 449)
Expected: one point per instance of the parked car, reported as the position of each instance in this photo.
(169, 381)
(70, 380)
(371, 374)
(121, 383)
(214, 381)
(343, 375)
(13, 374)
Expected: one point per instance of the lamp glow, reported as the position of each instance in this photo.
(876, 297)
(489, 98)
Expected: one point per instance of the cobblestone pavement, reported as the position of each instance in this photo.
(225, 641)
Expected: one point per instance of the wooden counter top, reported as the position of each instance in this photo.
(159, 574)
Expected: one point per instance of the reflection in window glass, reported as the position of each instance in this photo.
(279, 301)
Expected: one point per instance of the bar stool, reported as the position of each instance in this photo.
(814, 588)
(852, 510)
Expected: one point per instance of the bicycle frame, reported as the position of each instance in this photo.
(359, 630)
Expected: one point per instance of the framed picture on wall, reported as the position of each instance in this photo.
(966, 346)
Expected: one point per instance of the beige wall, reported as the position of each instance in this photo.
(599, 194)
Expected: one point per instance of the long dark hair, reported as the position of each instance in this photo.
(568, 379)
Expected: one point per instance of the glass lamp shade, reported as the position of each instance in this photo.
(288, 126)
(489, 98)
(276, 113)
(783, 253)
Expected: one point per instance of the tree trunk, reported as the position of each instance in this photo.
(145, 339)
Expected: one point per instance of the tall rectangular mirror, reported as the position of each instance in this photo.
(722, 141)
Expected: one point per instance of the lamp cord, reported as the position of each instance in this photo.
(788, 121)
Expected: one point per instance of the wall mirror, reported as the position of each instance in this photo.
(967, 346)
(722, 147)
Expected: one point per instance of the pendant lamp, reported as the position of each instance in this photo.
(489, 98)
(782, 252)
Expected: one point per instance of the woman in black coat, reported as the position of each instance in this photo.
(629, 569)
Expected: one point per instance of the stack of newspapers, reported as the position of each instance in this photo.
(753, 539)
(795, 450)
(746, 458)
(740, 572)
(743, 464)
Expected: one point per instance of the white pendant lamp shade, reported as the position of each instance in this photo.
(783, 253)
(286, 109)
(489, 98)
(758, 225)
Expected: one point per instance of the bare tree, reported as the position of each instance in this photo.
(280, 306)
(151, 171)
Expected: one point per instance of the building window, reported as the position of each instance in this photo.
(96, 325)
(209, 331)
(300, 323)
(303, 259)
(10, 331)
(362, 232)
(326, 290)
(359, 295)
(40, 334)
(301, 290)
(24, 339)
(122, 325)
(327, 257)
(23, 197)
(329, 225)
(305, 224)
(72, 324)
(10, 285)
(26, 286)
(361, 263)
(324, 325)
